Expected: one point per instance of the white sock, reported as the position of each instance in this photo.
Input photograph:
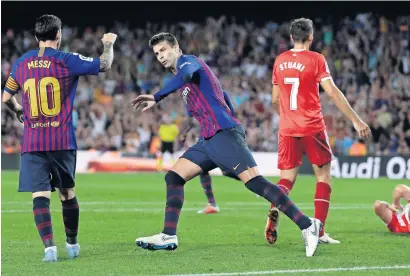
(53, 248)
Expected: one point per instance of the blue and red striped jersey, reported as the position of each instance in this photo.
(202, 94)
(48, 79)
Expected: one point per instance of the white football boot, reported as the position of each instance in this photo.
(159, 241)
(311, 237)
(326, 239)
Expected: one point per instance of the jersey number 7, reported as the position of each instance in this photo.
(293, 92)
(37, 94)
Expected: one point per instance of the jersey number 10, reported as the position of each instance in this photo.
(37, 94)
(293, 92)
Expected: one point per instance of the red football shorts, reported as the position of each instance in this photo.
(291, 149)
(399, 224)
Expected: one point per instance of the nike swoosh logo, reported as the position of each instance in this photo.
(315, 231)
(236, 166)
(167, 238)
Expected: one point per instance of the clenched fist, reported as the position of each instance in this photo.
(109, 37)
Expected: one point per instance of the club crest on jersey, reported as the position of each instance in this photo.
(90, 59)
(185, 94)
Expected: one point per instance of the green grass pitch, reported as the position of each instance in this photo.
(118, 208)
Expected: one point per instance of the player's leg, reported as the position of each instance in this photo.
(165, 147)
(382, 210)
(35, 178)
(289, 160)
(228, 150)
(320, 155)
(63, 171)
(160, 155)
(191, 163)
(206, 183)
(172, 151)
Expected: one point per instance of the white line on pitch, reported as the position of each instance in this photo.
(313, 270)
(187, 202)
(153, 210)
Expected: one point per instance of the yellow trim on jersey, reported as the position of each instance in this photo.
(10, 79)
(11, 84)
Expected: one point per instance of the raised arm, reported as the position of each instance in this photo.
(107, 57)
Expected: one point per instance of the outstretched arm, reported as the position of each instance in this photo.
(107, 57)
(185, 74)
(343, 105)
(173, 85)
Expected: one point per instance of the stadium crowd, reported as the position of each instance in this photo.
(368, 57)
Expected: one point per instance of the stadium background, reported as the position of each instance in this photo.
(367, 62)
(367, 52)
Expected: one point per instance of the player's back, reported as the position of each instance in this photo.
(49, 79)
(298, 74)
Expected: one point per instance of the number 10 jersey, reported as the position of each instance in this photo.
(48, 79)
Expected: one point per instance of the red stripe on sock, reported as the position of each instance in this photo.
(41, 211)
(169, 224)
(44, 225)
(47, 237)
(172, 209)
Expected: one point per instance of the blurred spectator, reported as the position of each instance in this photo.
(368, 56)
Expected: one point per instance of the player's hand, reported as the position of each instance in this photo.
(182, 138)
(109, 37)
(19, 114)
(398, 207)
(363, 129)
(143, 102)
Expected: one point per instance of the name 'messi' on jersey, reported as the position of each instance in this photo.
(291, 65)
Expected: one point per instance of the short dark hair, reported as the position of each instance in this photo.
(158, 38)
(300, 29)
(47, 27)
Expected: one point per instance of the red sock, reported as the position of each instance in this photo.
(322, 202)
(285, 185)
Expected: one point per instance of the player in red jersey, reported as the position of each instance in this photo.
(48, 81)
(295, 95)
(396, 217)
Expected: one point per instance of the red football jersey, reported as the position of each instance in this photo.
(400, 222)
(298, 74)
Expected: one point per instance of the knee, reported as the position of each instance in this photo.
(66, 194)
(324, 178)
(377, 206)
(401, 187)
(46, 194)
(173, 178)
(41, 202)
